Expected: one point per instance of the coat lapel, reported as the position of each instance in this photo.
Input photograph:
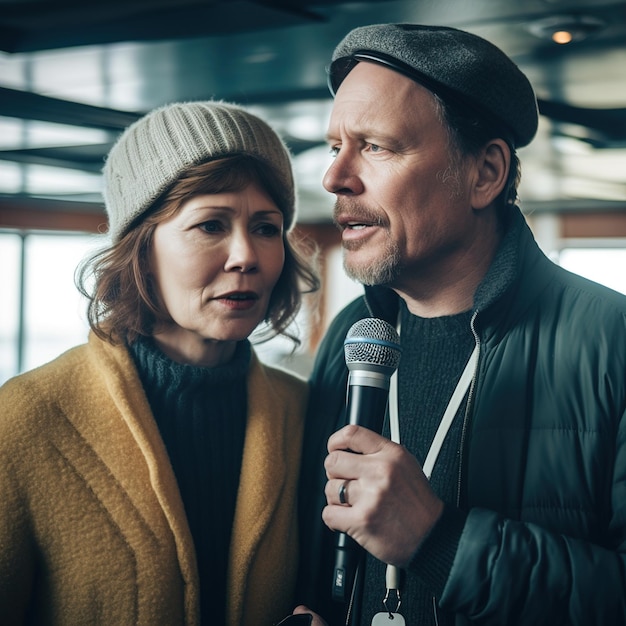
(262, 479)
(125, 397)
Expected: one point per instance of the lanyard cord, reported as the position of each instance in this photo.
(447, 419)
(392, 577)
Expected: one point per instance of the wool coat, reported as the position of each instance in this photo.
(92, 525)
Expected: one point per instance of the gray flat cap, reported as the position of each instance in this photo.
(456, 65)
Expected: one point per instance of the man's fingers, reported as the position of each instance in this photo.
(356, 439)
(341, 491)
(351, 450)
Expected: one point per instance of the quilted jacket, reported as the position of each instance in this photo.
(543, 456)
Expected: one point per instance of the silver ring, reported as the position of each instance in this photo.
(343, 493)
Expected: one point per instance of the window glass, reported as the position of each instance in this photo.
(10, 252)
(340, 289)
(602, 265)
(55, 316)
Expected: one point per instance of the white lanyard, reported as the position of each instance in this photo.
(392, 577)
(446, 421)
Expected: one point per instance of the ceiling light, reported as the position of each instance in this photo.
(563, 29)
(562, 36)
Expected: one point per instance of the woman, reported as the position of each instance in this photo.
(149, 477)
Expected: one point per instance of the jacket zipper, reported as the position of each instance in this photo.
(470, 397)
(468, 406)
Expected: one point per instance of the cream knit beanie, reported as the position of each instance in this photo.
(155, 150)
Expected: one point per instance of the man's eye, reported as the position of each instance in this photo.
(374, 148)
(334, 151)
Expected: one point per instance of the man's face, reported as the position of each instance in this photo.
(403, 201)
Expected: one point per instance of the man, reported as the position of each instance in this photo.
(522, 519)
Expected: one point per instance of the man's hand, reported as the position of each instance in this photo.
(389, 505)
(317, 620)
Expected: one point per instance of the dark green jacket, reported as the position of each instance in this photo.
(543, 459)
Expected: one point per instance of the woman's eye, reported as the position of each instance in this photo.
(334, 151)
(268, 230)
(213, 226)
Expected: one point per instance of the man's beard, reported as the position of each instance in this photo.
(386, 267)
(382, 271)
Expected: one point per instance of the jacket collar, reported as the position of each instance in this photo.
(517, 254)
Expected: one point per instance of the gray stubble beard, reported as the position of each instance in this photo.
(384, 271)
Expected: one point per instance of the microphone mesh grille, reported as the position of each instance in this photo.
(372, 340)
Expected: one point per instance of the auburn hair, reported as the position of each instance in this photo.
(122, 301)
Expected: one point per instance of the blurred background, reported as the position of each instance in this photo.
(74, 74)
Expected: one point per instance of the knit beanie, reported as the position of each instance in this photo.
(458, 66)
(154, 151)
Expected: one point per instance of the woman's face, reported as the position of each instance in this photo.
(215, 264)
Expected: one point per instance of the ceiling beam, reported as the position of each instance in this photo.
(33, 106)
(88, 158)
(112, 22)
(609, 122)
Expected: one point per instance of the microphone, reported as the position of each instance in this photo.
(372, 353)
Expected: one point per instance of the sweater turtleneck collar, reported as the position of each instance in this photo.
(157, 369)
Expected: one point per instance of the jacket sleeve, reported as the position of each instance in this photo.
(16, 546)
(509, 572)
(325, 414)
(16, 573)
(519, 573)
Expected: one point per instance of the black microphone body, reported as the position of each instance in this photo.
(372, 352)
(366, 406)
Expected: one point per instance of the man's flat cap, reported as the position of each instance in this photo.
(458, 66)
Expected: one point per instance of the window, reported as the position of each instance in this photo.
(44, 314)
(10, 262)
(602, 265)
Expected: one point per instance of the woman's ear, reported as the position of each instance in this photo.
(492, 167)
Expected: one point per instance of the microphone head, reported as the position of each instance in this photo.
(372, 343)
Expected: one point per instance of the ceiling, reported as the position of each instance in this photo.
(73, 74)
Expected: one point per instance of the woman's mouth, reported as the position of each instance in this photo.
(239, 300)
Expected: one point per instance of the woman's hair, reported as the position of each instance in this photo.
(122, 301)
(469, 134)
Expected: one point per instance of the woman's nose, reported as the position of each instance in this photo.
(242, 255)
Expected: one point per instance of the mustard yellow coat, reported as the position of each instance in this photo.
(92, 525)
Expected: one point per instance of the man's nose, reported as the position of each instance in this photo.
(342, 177)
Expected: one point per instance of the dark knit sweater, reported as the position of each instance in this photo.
(201, 414)
(434, 355)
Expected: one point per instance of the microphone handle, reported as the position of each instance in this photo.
(365, 406)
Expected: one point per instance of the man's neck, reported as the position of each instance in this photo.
(449, 288)
(444, 304)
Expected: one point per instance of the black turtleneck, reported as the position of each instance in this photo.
(201, 414)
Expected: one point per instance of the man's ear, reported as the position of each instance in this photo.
(492, 169)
